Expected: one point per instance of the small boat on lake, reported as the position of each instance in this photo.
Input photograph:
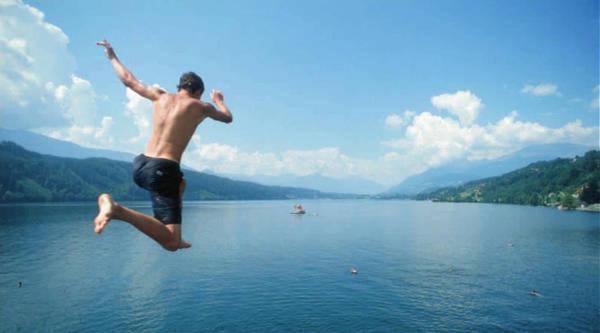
(298, 210)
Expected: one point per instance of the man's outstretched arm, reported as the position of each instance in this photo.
(128, 79)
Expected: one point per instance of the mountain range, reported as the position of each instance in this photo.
(45, 145)
(28, 176)
(452, 174)
(460, 172)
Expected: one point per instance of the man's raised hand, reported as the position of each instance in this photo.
(110, 53)
(216, 96)
(225, 115)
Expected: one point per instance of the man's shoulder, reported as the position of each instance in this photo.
(160, 92)
(200, 105)
(193, 104)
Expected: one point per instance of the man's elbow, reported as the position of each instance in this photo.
(226, 118)
(127, 80)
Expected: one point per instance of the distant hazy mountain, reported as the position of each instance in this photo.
(46, 145)
(29, 176)
(317, 182)
(458, 173)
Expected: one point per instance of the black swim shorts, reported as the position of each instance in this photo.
(161, 177)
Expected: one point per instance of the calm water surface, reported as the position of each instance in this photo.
(254, 267)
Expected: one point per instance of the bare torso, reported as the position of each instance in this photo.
(174, 121)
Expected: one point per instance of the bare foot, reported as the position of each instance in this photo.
(106, 211)
(184, 245)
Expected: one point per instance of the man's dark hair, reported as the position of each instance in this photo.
(191, 82)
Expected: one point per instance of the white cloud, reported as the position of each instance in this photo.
(89, 136)
(78, 101)
(138, 109)
(391, 156)
(436, 140)
(395, 120)
(542, 89)
(327, 161)
(40, 92)
(34, 53)
(227, 159)
(464, 104)
(215, 151)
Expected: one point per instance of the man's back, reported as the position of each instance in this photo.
(174, 121)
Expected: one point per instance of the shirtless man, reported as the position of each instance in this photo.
(174, 120)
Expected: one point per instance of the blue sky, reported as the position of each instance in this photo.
(323, 87)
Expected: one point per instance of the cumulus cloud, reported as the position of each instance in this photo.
(90, 136)
(395, 120)
(223, 158)
(327, 161)
(435, 140)
(463, 104)
(542, 89)
(41, 92)
(34, 53)
(77, 101)
(139, 110)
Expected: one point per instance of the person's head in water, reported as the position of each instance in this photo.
(191, 83)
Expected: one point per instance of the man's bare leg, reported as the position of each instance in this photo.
(169, 236)
(176, 230)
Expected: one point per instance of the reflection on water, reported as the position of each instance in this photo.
(254, 267)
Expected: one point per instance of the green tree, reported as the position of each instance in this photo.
(590, 193)
(568, 202)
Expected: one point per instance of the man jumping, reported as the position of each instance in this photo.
(174, 120)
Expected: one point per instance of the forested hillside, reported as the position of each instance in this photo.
(28, 177)
(568, 182)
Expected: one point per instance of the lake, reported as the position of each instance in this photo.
(254, 267)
